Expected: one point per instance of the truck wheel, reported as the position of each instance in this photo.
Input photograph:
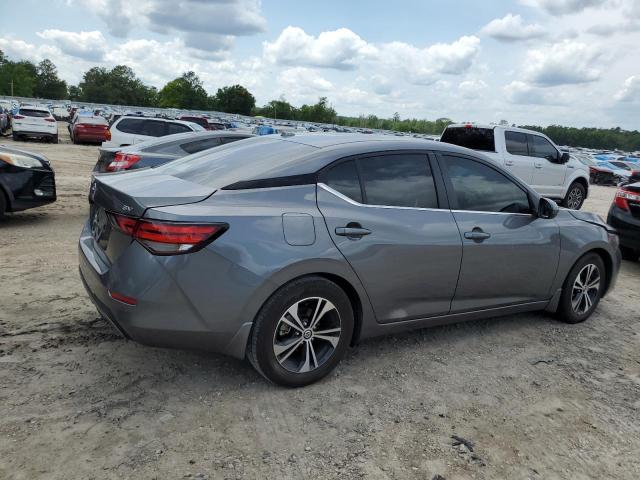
(575, 196)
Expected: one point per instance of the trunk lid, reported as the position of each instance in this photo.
(131, 194)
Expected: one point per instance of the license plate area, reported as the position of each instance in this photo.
(100, 226)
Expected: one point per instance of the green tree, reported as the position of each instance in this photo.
(278, 109)
(118, 86)
(234, 99)
(320, 112)
(184, 92)
(17, 78)
(48, 85)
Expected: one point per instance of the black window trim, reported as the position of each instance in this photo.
(452, 198)
(435, 173)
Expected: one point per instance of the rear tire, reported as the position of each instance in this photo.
(575, 196)
(582, 289)
(54, 139)
(15, 137)
(302, 332)
(3, 204)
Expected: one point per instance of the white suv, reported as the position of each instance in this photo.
(130, 130)
(35, 122)
(529, 155)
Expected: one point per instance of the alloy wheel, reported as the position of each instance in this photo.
(574, 200)
(307, 335)
(586, 289)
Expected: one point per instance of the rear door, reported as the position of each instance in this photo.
(510, 256)
(151, 129)
(548, 174)
(516, 157)
(383, 213)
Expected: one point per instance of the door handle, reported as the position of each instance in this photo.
(537, 165)
(353, 232)
(509, 163)
(477, 235)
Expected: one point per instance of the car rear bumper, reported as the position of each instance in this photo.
(627, 225)
(165, 315)
(88, 137)
(36, 133)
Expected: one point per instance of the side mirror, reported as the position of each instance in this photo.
(547, 208)
(565, 157)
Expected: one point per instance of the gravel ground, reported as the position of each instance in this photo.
(531, 398)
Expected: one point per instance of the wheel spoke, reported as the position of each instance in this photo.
(326, 332)
(313, 355)
(288, 348)
(326, 308)
(575, 303)
(332, 340)
(587, 302)
(306, 366)
(293, 312)
(285, 320)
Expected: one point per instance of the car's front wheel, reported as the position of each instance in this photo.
(302, 332)
(582, 289)
(575, 197)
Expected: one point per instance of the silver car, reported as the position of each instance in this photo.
(286, 250)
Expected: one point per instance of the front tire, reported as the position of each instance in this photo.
(302, 332)
(582, 289)
(575, 197)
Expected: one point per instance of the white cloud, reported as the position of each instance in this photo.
(564, 7)
(424, 66)
(340, 49)
(630, 92)
(301, 84)
(563, 63)
(472, 89)
(521, 93)
(86, 45)
(511, 28)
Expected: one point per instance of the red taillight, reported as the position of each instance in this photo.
(49, 119)
(170, 238)
(122, 161)
(18, 117)
(623, 196)
(107, 135)
(123, 298)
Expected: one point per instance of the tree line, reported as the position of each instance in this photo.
(120, 86)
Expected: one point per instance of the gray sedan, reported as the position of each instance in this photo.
(286, 250)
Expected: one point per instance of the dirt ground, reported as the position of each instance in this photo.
(538, 399)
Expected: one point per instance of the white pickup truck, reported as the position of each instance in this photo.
(529, 155)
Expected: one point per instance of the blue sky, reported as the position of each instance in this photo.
(572, 62)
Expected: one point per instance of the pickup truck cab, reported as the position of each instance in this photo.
(529, 155)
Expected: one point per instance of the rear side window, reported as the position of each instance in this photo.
(540, 147)
(398, 181)
(516, 143)
(199, 145)
(28, 112)
(344, 179)
(131, 125)
(470, 137)
(177, 128)
(153, 128)
(478, 187)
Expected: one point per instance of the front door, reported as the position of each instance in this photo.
(383, 215)
(510, 255)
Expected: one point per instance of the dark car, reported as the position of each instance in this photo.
(624, 215)
(153, 153)
(26, 180)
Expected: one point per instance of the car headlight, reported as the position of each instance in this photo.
(21, 160)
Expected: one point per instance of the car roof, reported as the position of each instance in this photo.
(34, 107)
(493, 127)
(179, 137)
(138, 117)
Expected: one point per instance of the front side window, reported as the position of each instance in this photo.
(177, 128)
(516, 143)
(478, 187)
(399, 181)
(153, 128)
(344, 179)
(540, 147)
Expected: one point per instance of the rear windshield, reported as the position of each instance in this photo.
(470, 137)
(92, 121)
(253, 159)
(28, 112)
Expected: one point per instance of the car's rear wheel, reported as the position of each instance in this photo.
(302, 332)
(15, 136)
(54, 139)
(582, 289)
(3, 204)
(575, 197)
